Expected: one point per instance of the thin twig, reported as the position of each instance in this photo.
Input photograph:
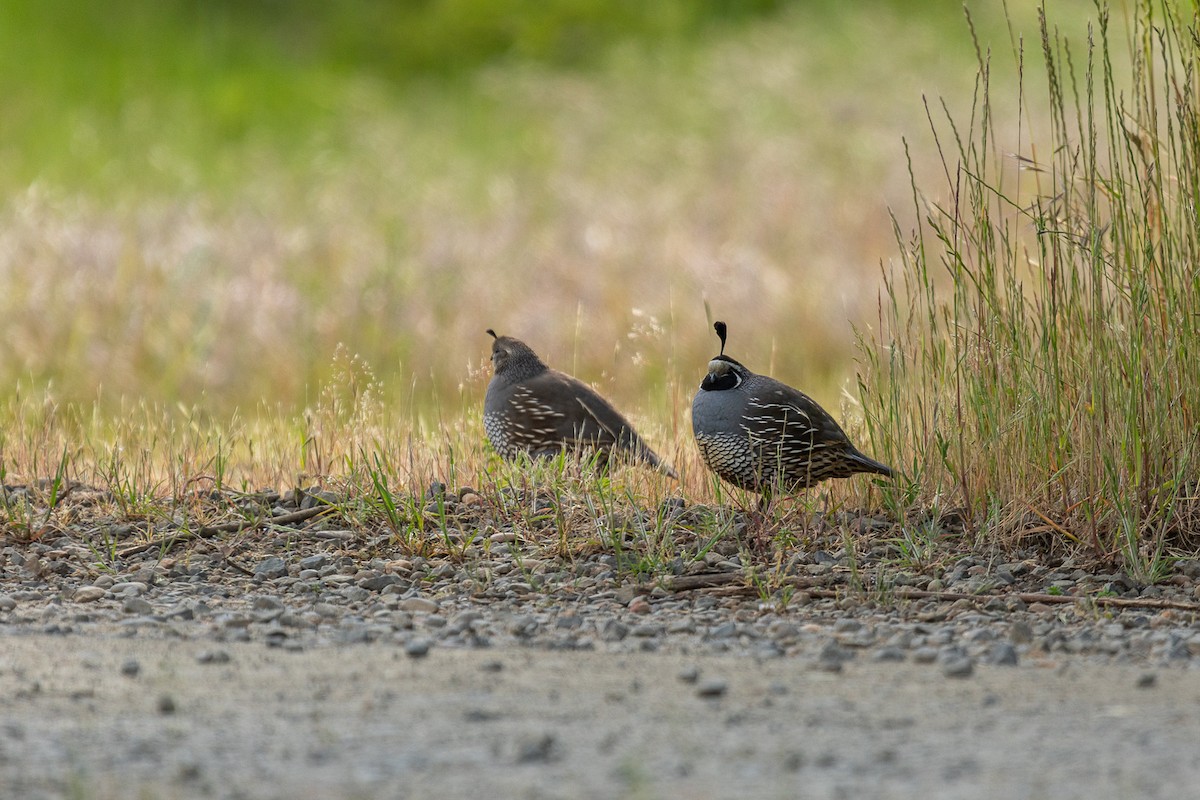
(208, 531)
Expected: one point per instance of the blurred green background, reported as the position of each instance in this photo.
(222, 203)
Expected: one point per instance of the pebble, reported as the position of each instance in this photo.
(712, 687)
(137, 605)
(270, 568)
(956, 665)
(538, 748)
(130, 667)
(419, 604)
(88, 594)
(1003, 654)
(417, 648)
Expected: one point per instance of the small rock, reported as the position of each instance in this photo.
(166, 704)
(957, 665)
(87, 594)
(137, 605)
(689, 674)
(270, 568)
(614, 631)
(314, 561)
(419, 604)
(712, 687)
(213, 657)
(1020, 632)
(639, 605)
(265, 603)
(542, 747)
(417, 648)
(1003, 654)
(832, 656)
(130, 668)
(888, 653)
(317, 497)
(379, 582)
(7, 603)
(925, 655)
(1147, 680)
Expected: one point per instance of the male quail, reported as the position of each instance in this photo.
(533, 409)
(760, 434)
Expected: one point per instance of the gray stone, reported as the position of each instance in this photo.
(1020, 632)
(540, 748)
(270, 568)
(417, 647)
(380, 582)
(88, 594)
(1003, 654)
(888, 653)
(314, 562)
(213, 657)
(7, 603)
(267, 603)
(724, 631)
(712, 687)
(317, 497)
(419, 604)
(355, 594)
(647, 630)
(957, 665)
(832, 656)
(925, 655)
(137, 605)
(614, 630)
(130, 668)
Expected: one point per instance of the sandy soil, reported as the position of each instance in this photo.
(105, 717)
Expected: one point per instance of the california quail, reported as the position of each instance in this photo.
(533, 409)
(760, 434)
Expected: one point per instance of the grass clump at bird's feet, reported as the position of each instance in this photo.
(1035, 362)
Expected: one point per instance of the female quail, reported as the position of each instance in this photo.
(533, 409)
(759, 434)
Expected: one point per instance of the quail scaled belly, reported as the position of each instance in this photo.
(760, 434)
(530, 408)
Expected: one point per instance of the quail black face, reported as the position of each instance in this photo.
(723, 374)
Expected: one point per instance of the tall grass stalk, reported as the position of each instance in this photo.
(1037, 350)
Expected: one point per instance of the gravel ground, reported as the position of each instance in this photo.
(306, 659)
